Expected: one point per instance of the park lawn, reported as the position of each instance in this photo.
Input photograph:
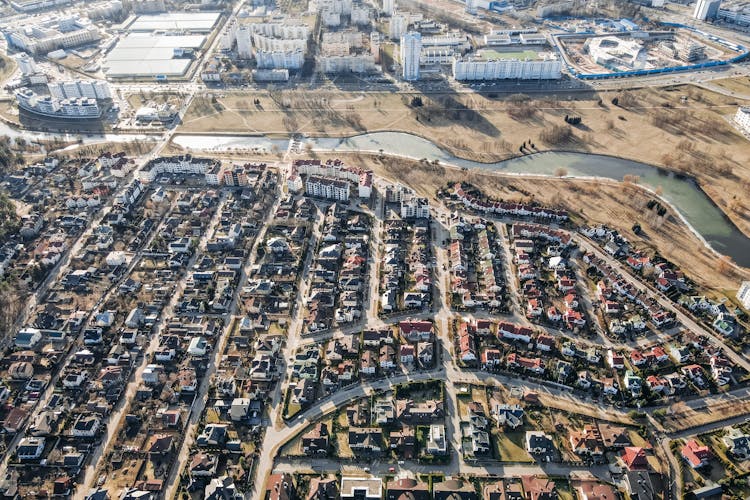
(292, 409)
(656, 126)
(740, 84)
(510, 446)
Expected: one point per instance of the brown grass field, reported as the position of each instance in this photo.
(684, 128)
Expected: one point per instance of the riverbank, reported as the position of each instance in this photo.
(680, 128)
(592, 201)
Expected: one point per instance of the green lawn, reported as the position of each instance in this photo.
(510, 446)
(513, 54)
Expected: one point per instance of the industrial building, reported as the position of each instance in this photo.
(142, 55)
(184, 22)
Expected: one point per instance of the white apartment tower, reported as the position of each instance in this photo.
(743, 294)
(411, 49)
(397, 25)
(244, 43)
(388, 7)
(706, 9)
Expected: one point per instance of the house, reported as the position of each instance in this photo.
(587, 441)
(539, 488)
(212, 435)
(303, 392)
(615, 360)
(280, 487)
(21, 370)
(361, 488)
(27, 338)
(538, 442)
(315, 441)
(466, 343)
(659, 354)
(609, 386)
(404, 488)
(30, 448)
(222, 488)
(436, 442)
(403, 441)
(454, 489)
(681, 354)
(14, 420)
(545, 342)
(695, 374)
(491, 357)
(737, 443)
(657, 384)
(86, 426)
(323, 488)
(634, 458)
(695, 454)
(633, 383)
(614, 437)
(508, 415)
(187, 380)
(387, 356)
(425, 412)
(368, 363)
(584, 380)
(160, 444)
(406, 354)
(503, 490)
(510, 331)
(383, 411)
(593, 490)
(366, 440)
(640, 487)
(239, 410)
(425, 354)
(203, 465)
(534, 365)
(416, 330)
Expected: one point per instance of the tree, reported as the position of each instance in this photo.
(556, 134)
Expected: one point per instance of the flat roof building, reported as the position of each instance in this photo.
(149, 55)
(191, 22)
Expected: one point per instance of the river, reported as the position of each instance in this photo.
(697, 209)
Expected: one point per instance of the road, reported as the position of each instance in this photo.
(113, 423)
(201, 397)
(489, 468)
(664, 302)
(54, 276)
(277, 435)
